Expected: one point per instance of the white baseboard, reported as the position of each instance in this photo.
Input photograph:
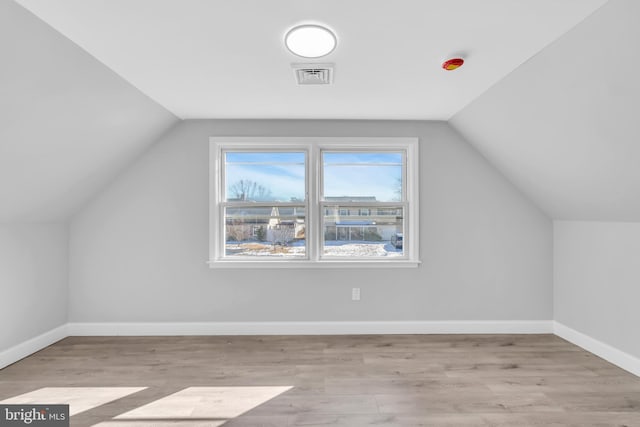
(312, 328)
(26, 348)
(611, 354)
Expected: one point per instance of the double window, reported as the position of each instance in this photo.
(310, 201)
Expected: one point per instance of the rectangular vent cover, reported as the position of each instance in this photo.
(313, 74)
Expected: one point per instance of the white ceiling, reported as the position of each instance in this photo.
(564, 126)
(226, 59)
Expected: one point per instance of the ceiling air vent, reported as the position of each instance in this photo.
(313, 74)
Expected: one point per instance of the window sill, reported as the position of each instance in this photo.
(226, 264)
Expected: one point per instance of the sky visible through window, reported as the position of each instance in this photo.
(280, 176)
(267, 176)
(359, 174)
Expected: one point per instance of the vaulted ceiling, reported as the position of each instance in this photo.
(68, 123)
(227, 59)
(548, 92)
(564, 127)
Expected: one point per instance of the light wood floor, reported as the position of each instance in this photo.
(348, 381)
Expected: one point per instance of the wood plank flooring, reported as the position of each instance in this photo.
(346, 381)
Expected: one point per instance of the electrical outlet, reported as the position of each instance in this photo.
(355, 294)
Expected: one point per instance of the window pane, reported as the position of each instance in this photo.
(265, 231)
(363, 231)
(362, 176)
(264, 176)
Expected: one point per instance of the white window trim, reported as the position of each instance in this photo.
(313, 205)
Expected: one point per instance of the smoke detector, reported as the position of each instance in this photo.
(313, 74)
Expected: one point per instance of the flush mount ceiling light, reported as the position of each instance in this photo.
(310, 41)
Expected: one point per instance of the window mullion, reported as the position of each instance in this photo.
(314, 220)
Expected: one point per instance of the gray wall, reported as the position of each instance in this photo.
(597, 281)
(138, 251)
(33, 280)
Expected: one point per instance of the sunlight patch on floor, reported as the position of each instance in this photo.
(197, 406)
(79, 399)
(162, 423)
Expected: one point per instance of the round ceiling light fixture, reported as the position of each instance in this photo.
(310, 41)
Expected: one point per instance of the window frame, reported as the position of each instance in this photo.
(314, 207)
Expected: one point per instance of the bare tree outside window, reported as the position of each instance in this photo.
(247, 190)
(282, 234)
(238, 233)
(398, 190)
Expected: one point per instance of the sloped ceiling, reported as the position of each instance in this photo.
(565, 126)
(562, 126)
(189, 55)
(68, 124)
